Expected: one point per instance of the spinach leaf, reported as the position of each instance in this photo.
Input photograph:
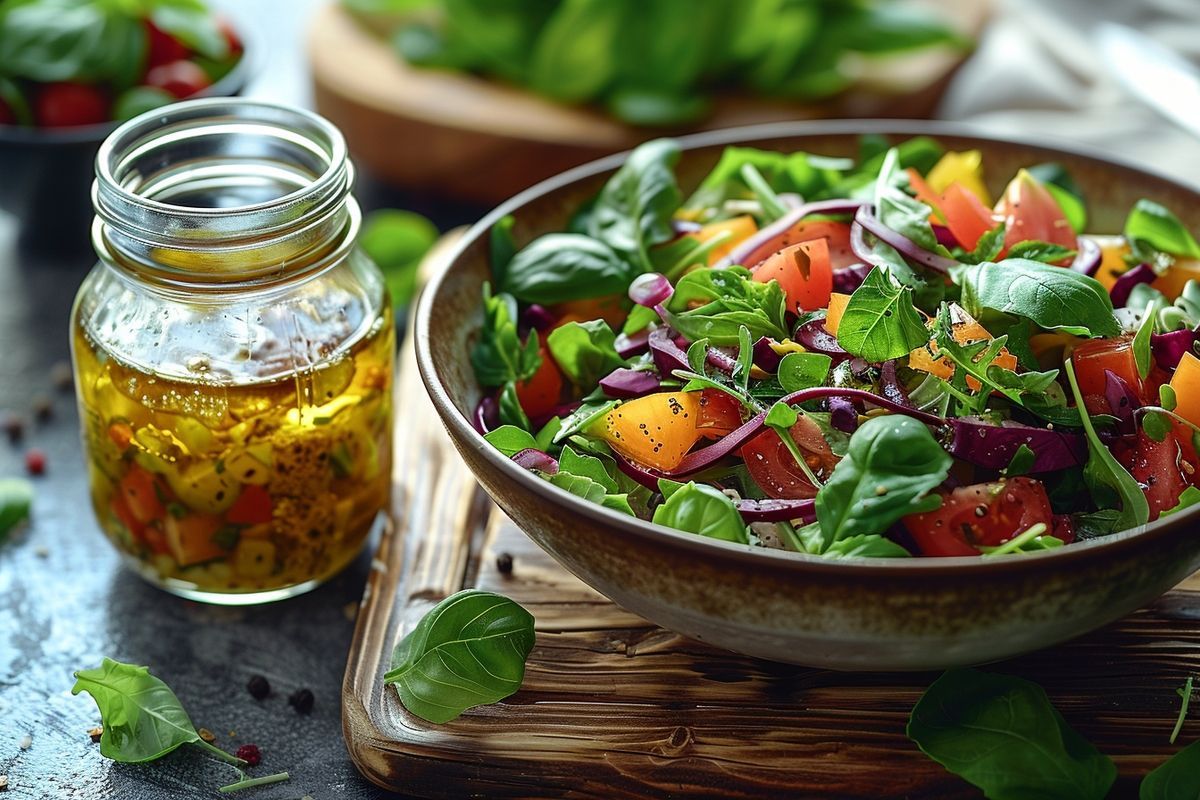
(887, 28)
(16, 498)
(1103, 473)
(880, 322)
(498, 356)
(1177, 779)
(572, 59)
(584, 351)
(511, 412)
(1150, 229)
(566, 266)
(634, 209)
(798, 371)
(701, 509)
(510, 440)
(865, 546)
(397, 241)
(1001, 734)
(729, 299)
(469, 650)
(893, 462)
(1044, 252)
(1052, 297)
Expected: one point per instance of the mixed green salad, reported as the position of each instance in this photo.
(659, 63)
(851, 357)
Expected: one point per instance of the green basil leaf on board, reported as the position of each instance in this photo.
(1002, 734)
(397, 241)
(584, 351)
(499, 356)
(880, 321)
(634, 209)
(701, 509)
(1151, 228)
(510, 440)
(891, 466)
(1177, 779)
(469, 650)
(16, 498)
(728, 300)
(559, 267)
(1052, 297)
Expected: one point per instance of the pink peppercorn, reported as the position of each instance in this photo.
(250, 754)
(35, 461)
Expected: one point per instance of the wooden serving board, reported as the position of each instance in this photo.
(469, 138)
(614, 707)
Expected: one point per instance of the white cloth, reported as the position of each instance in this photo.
(1038, 73)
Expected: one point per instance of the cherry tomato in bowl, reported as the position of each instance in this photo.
(180, 78)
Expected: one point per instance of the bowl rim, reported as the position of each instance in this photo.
(758, 557)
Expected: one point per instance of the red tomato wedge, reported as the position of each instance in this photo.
(1031, 213)
(181, 78)
(1093, 359)
(925, 194)
(983, 514)
(540, 394)
(967, 218)
(836, 236)
(720, 414)
(775, 470)
(1157, 467)
(65, 105)
(804, 273)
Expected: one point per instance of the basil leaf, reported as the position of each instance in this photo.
(501, 247)
(728, 300)
(498, 356)
(510, 440)
(1104, 473)
(469, 650)
(559, 267)
(1001, 733)
(16, 498)
(1044, 252)
(701, 509)
(865, 546)
(143, 719)
(893, 462)
(1151, 228)
(634, 209)
(880, 322)
(586, 466)
(71, 40)
(511, 412)
(1052, 297)
(1176, 779)
(572, 58)
(798, 371)
(584, 351)
(191, 22)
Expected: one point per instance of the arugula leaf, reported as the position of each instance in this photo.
(745, 359)
(1044, 252)
(559, 267)
(469, 650)
(581, 418)
(893, 462)
(1151, 229)
(1104, 472)
(1021, 462)
(498, 356)
(1176, 779)
(880, 322)
(729, 299)
(1185, 701)
(1001, 733)
(798, 371)
(510, 440)
(1052, 297)
(771, 206)
(584, 351)
(511, 412)
(397, 241)
(802, 173)
(634, 209)
(16, 498)
(701, 509)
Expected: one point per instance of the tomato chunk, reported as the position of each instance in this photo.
(656, 430)
(775, 470)
(1093, 359)
(540, 394)
(253, 507)
(720, 414)
(66, 104)
(140, 495)
(980, 515)
(1157, 467)
(181, 78)
(1031, 213)
(967, 218)
(804, 273)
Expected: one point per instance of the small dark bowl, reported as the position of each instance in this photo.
(46, 175)
(861, 614)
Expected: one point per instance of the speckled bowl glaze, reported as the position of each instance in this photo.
(863, 614)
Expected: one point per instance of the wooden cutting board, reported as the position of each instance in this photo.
(468, 138)
(614, 707)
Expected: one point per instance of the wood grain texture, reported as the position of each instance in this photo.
(613, 707)
(470, 138)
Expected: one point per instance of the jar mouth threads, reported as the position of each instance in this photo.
(211, 193)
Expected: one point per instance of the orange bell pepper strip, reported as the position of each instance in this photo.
(1172, 281)
(657, 430)
(1186, 383)
(965, 330)
(740, 229)
(833, 314)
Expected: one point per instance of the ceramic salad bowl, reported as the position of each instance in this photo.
(852, 614)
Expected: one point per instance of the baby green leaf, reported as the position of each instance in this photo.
(899, 210)
(880, 322)
(587, 466)
(1151, 228)
(1052, 297)
(1043, 252)
(511, 412)
(499, 356)
(566, 266)
(891, 465)
(1177, 779)
(469, 650)
(866, 546)
(510, 440)
(633, 211)
(16, 497)
(716, 303)
(1188, 498)
(1001, 734)
(701, 509)
(798, 371)
(584, 351)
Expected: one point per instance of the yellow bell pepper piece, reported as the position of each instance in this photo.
(964, 168)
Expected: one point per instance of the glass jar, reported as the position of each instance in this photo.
(233, 353)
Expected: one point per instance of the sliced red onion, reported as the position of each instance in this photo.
(843, 415)
(538, 317)
(944, 236)
(635, 345)
(533, 459)
(765, 357)
(790, 200)
(487, 414)
(771, 510)
(889, 385)
(813, 336)
(721, 359)
(983, 444)
(684, 226)
(1120, 291)
(668, 356)
(866, 218)
(628, 383)
(776, 236)
(1168, 348)
(847, 279)
(650, 289)
(1087, 256)
(1122, 400)
(644, 475)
